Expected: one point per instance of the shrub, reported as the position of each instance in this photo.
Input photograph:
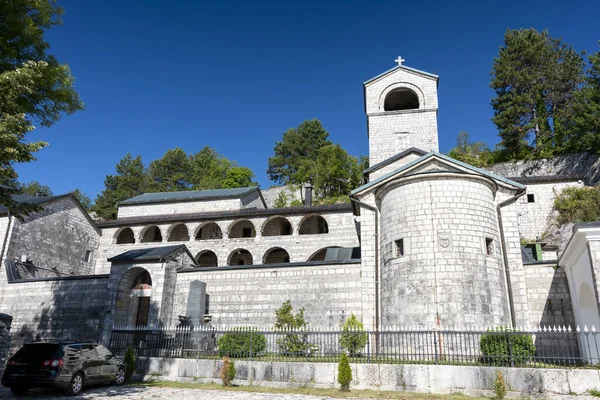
(240, 343)
(228, 371)
(578, 205)
(293, 343)
(356, 338)
(344, 373)
(500, 386)
(505, 347)
(129, 364)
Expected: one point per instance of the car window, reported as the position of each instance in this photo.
(72, 352)
(87, 351)
(103, 351)
(39, 352)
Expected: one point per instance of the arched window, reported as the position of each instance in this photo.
(320, 255)
(126, 236)
(207, 258)
(313, 225)
(242, 229)
(277, 226)
(208, 231)
(401, 99)
(152, 234)
(240, 257)
(179, 233)
(276, 255)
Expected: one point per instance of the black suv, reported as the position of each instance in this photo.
(65, 366)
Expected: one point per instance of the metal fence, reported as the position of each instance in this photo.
(545, 347)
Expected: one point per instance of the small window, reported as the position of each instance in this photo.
(287, 229)
(246, 232)
(206, 304)
(399, 247)
(489, 246)
(88, 256)
(531, 198)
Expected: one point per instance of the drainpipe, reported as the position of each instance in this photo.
(5, 241)
(511, 303)
(376, 211)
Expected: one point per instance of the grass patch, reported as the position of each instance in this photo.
(336, 393)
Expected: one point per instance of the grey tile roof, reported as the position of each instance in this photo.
(151, 254)
(546, 178)
(25, 198)
(191, 195)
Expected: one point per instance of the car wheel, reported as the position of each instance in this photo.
(119, 377)
(76, 385)
(19, 390)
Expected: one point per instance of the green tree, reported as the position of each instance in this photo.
(473, 153)
(170, 173)
(334, 170)
(34, 188)
(344, 373)
(354, 337)
(295, 155)
(83, 199)
(209, 169)
(34, 88)
(578, 205)
(239, 177)
(585, 130)
(536, 78)
(281, 200)
(129, 181)
(295, 344)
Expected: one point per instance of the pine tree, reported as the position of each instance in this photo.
(536, 78)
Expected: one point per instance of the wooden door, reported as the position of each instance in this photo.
(142, 313)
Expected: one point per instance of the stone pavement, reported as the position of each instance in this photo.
(155, 393)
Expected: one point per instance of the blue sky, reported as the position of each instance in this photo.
(235, 75)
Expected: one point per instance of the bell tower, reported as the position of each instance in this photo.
(401, 106)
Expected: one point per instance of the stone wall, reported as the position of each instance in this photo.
(535, 214)
(449, 264)
(55, 308)
(250, 295)
(584, 164)
(441, 379)
(548, 295)
(342, 232)
(183, 207)
(56, 238)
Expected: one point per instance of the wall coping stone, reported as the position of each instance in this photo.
(62, 278)
(270, 266)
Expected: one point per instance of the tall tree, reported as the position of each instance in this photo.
(535, 77)
(474, 153)
(209, 169)
(170, 173)
(83, 199)
(239, 177)
(585, 132)
(34, 188)
(295, 155)
(334, 172)
(34, 87)
(130, 181)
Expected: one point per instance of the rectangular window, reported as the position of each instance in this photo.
(489, 246)
(287, 230)
(246, 232)
(531, 198)
(399, 247)
(88, 256)
(206, 304)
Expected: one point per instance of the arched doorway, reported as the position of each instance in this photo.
(133, 298)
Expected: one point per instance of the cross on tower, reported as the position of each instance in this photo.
(399, 60)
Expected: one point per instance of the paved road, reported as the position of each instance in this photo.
(151, 393)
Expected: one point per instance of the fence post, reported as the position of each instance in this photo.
(510, 353)
(435, 342)
(250, 345)
(368, 347)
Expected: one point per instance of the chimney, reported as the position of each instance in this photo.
(308, 189)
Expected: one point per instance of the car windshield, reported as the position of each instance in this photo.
(39, 352)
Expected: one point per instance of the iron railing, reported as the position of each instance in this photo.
(541, 347)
